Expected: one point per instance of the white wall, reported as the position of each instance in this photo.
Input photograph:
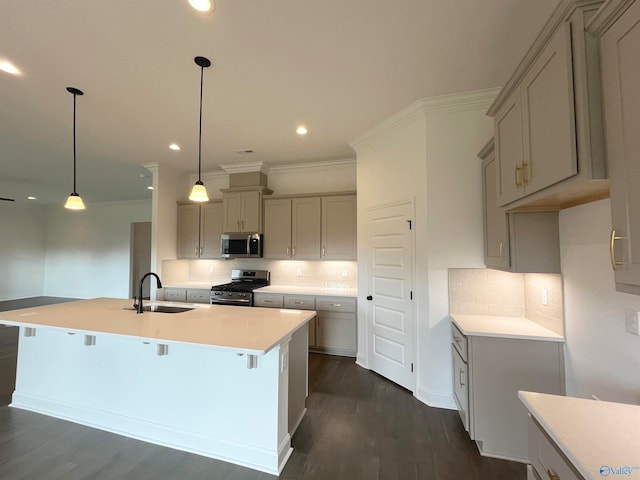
(88, 252)
(428, 153)
(601, 358)
(22, 250)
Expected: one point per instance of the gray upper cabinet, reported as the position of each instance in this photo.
(310, 227)
(242, 209)
(548, 119)
(525, 242)
(496, 228)
(199, 230)
(339, 227)
(292, 228)
(618, 25)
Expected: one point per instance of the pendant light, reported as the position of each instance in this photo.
(74, 202)
(199, 192)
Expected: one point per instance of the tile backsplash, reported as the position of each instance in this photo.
(482, 291)
(328, 274)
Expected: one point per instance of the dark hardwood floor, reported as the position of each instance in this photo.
(358, 426)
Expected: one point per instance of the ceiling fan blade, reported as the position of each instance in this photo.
(8, 199)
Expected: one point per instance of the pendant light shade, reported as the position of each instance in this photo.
(199, 192)
(74, 202)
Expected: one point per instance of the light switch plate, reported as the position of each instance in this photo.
(633, 325)
(545, 296)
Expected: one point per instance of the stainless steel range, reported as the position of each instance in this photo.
(240, 290)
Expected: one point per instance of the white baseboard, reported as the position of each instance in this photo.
(298, 421)
(436, 399)
(251, 456)
(362, 361)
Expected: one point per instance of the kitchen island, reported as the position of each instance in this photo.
(220, 381)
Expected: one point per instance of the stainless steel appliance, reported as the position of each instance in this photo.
(240, 290)
(241, 245)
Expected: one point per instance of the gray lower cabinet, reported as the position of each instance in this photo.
(333, 330)
(488, 372)
(191, 295)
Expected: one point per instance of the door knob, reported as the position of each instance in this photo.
(369, 297)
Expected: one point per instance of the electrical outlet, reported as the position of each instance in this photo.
(633, 326)
(545, 296)
(299, 272)
(210, 269)
(345, 273)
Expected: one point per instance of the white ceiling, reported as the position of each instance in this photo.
(338, 66)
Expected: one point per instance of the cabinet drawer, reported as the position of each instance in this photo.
(268, 300)
(546, 459)
(175, 294)
(300, 302)
(198, 296)
(336, 304)
(459, 341)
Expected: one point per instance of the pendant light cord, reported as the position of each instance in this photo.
(200, 130)
(74, 143)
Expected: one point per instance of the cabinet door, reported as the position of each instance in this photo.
(621, 78)
(210, 230)
(509, 151)
(277, 228)
(251, 212)
(496, 232)
(549, 116)
(305, 227)
(461, 387)
(188, 231)
(232, 207)
(336, 331)
(339, 227)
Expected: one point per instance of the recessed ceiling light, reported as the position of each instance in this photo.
(174, 146)
(31, 198)
(9, 67)
(301, 130)
(202, 5)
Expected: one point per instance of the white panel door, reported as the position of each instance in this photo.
(390, 314)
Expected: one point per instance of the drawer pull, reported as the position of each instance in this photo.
(296, 302)
(336, 305)
(518, 182)
(552, 475)
(462, 383)
(268, 301)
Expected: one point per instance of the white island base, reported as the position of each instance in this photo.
(191, 397)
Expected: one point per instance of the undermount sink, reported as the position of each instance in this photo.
(164, 309)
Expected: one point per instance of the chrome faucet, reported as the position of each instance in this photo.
(138, 306)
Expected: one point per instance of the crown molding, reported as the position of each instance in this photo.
(313, 165)
(426, 107)
(246, 167)
(610, 11)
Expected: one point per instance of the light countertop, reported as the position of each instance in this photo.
(317, 291)
(507, 327)
(590, 433)
(240, 329)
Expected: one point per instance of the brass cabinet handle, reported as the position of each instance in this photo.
(238, 224)
(287, 251)
(195, 250)
(612, 253)
(293, 252)
(336, 305)
(201, 250)
(297, 302)
(552, 475)
(242, 225)
(323, 251)
(460, 377)
(501, 247)
(518, 169)
(525, 177)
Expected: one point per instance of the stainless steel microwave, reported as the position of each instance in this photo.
(241, 245)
